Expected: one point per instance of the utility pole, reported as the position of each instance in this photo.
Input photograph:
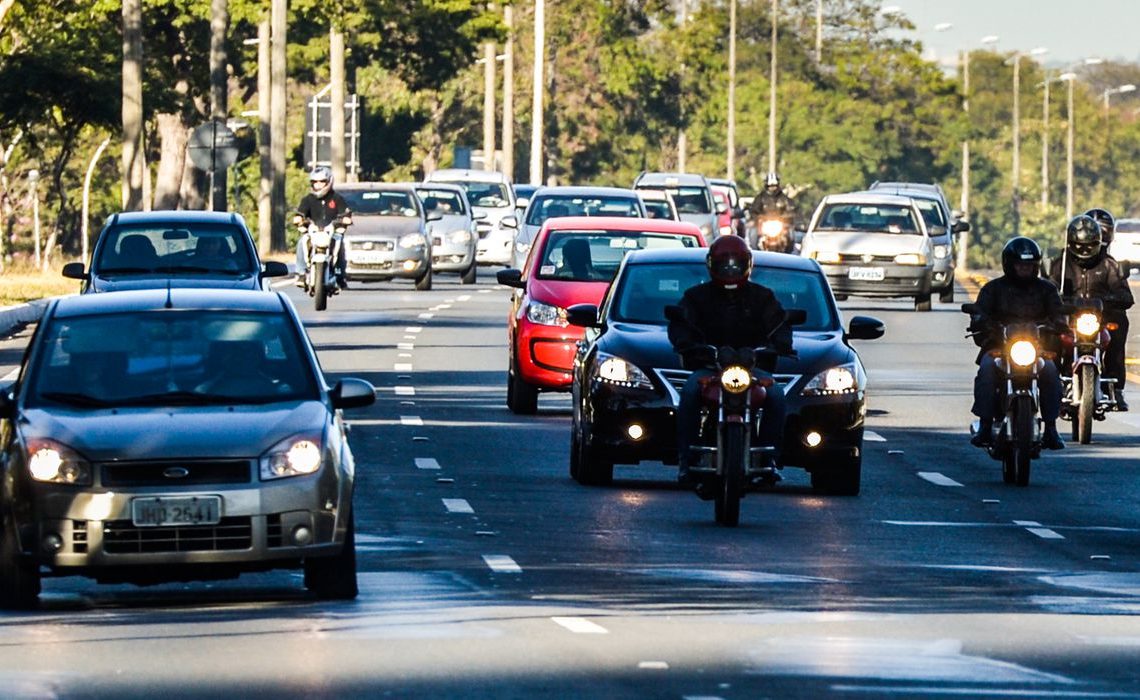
(1016, 174)
(336, 98)
(1069, 154)
(219, 98)
(509, 95)
(682, 138)
(536, 113)
(818, 32)
(965, 200)
(489, 105)
(730, 165)
(772, 97)
(132, 114)
(278, 23)
(1045, 146)
(264, 109)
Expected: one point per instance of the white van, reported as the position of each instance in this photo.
(493, 201)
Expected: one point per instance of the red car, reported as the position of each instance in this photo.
(572, 261)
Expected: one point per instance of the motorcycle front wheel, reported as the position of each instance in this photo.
(320, 282)
(1087, 408)
(1024, 417)
(730, 479)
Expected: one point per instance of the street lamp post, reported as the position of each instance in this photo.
(1016, 174)
(964, 203)
(1116, 91)
(772, 97)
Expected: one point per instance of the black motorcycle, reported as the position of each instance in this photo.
(1085, 392)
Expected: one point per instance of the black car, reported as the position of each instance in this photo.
(627, 378)
(175, 434)
(145, 250)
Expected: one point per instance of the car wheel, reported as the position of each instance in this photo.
(593, 471)
(468, 276)
(522, 398)
(922, 302)
(19, 575)
(423, 284)
(334, 578)
(946, 296)
(839, 478)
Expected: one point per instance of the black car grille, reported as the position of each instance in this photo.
(176, 473)
(675, 380)
(122, 537)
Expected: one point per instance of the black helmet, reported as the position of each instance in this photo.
(1083, 237)
(729, 261)
(1107, 224)
(1020, 249)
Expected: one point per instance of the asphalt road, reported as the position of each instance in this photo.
(485, 571)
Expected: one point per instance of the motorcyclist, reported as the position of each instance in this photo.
(1019, 295)
(728, 310)
(322, 205)
(773, 203)
(1087, 271)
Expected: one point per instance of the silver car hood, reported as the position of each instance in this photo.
(870, 243)
(382, 226)
(449, 223)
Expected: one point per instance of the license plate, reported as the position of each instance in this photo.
(866, 273)
(369, 256)
(195, 510)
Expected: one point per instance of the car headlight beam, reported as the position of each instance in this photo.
(614, 370)
(50, 461)
(295, 456)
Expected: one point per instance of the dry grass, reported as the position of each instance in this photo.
(22, 284)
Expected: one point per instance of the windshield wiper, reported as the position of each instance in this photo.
(125, 270)
(75, 398)
(174, 398)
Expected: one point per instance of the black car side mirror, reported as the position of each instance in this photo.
(582, 315)
(275, 268)
(795, 317)
(960, 226)
(865, 328)
(74, 270)
(510, 277)
(352, 393)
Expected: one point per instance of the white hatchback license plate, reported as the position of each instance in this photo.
(159, 512)
(369, 256)
(873, 274)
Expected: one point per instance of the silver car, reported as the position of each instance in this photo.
(692, 195)
(388, 238)
(490, 194)
(553, 202)
(454, 239)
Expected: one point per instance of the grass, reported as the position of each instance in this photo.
(19, 284)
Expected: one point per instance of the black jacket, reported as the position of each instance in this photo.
(1003, 301)
(749, 316)
(322, 210)
(1101, 279)
(773, 205)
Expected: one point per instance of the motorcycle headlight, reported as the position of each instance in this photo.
(735, 379)
(941, 251)
(53, 462)
(836, 380)
(460, 237)
(614, 370)
(910, 259)
(1023, 353)
(772, 227)
(320, 238)
(546, 314)
(412, 240)
(1088, 324)
(295, 456)
(827, 257)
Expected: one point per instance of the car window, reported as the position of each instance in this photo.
(876, 218)
(931, 211)
(688, 200)
(444, 202)
(645, 289)
(658, 209)
(1128, 226)
(486, 194)
(381, 202)
(174, 247)
(546, 207)
(594, 256)
(185, 356)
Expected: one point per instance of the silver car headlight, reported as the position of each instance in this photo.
(546, 314)
(56, 463)
(941, 251)
(412, 240)
(461, 237)
(614, 370)
(842, 379)
(295, 456)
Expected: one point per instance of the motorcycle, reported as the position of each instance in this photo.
(321, 248)
(775, 235)
(1017, 429)
(1085, 393)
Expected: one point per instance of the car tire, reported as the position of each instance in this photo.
(19, 575)
(469, 275)
(840, 478)
(522, 398)
(593, 471)
(423, 284)
(334, 578)
(946, 296)
(922, 302)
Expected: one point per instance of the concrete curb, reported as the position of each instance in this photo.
(13, 316)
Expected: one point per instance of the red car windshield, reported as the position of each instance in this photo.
(594, 256)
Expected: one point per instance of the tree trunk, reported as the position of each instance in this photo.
(337, 99)
(134, 157)
(172, 137)
(219, 102)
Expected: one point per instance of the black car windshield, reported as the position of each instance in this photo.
(546, 207)
(645, 289)
(164, 358)
(876, 218)
(174, 247)
(486, 194)
(688, 200)
(594, 256)
(381, 202)
(442, 202)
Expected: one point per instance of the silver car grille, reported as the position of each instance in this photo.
(674, 380)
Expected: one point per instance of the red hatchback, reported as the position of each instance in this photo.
(572, 261)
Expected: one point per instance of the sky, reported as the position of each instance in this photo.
(1070, 29)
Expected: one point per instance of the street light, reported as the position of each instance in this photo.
(1016, 174)
(1129, 87)
(965, 200)
(1066, 75)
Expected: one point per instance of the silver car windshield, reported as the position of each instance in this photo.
(688, 200)
(487, 194)
(381, 202)
(644, 290)
(174, 247)
(162, 358)
(877, 218)
(442, 202)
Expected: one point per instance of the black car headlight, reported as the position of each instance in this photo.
(611, 369)
(842, 379)
(295, 456)
(52, 462)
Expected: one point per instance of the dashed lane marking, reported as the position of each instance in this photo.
(1042, 532)
(405, 391)
(463, 297)
(457, 505)
(403, 367)
(654, 665)
(405, 346)
(580, 625)
(426, 315)
(413, 329)
(872, 436)
(426, 463)
(502, 564)
(411, 420)
(938, 479)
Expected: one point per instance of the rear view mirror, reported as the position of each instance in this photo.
(479, 216)
(865, 328)
(583, 315)
(435, 216)
(522, 202)
(960, 226)
(74, 270)
(176, 234)
(795, 317)
(509, 222)
(510, 277)
(275, 268)
(352, 393)
(721, 208)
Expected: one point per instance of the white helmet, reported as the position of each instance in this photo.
(320, 179)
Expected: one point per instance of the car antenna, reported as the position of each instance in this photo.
(169, 304)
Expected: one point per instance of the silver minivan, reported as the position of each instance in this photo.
(872, 245)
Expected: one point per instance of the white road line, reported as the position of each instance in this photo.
(502, 564)
(411, 420)
(457, 505)
(426, 315)
(938, 479)
(413, 329)
(405, 346)
(11, 376)
(972, 691)
(463, 297)
(405, 391)
(426, 463)
(484, 291)
(1027, 523)
(655, 665)
(1042, 532)
(701, 697)
(580, 625)
(872, 436)
(443, 306)
(403, 367)
(404, 354)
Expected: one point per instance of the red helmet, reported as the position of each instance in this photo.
(729, 261)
